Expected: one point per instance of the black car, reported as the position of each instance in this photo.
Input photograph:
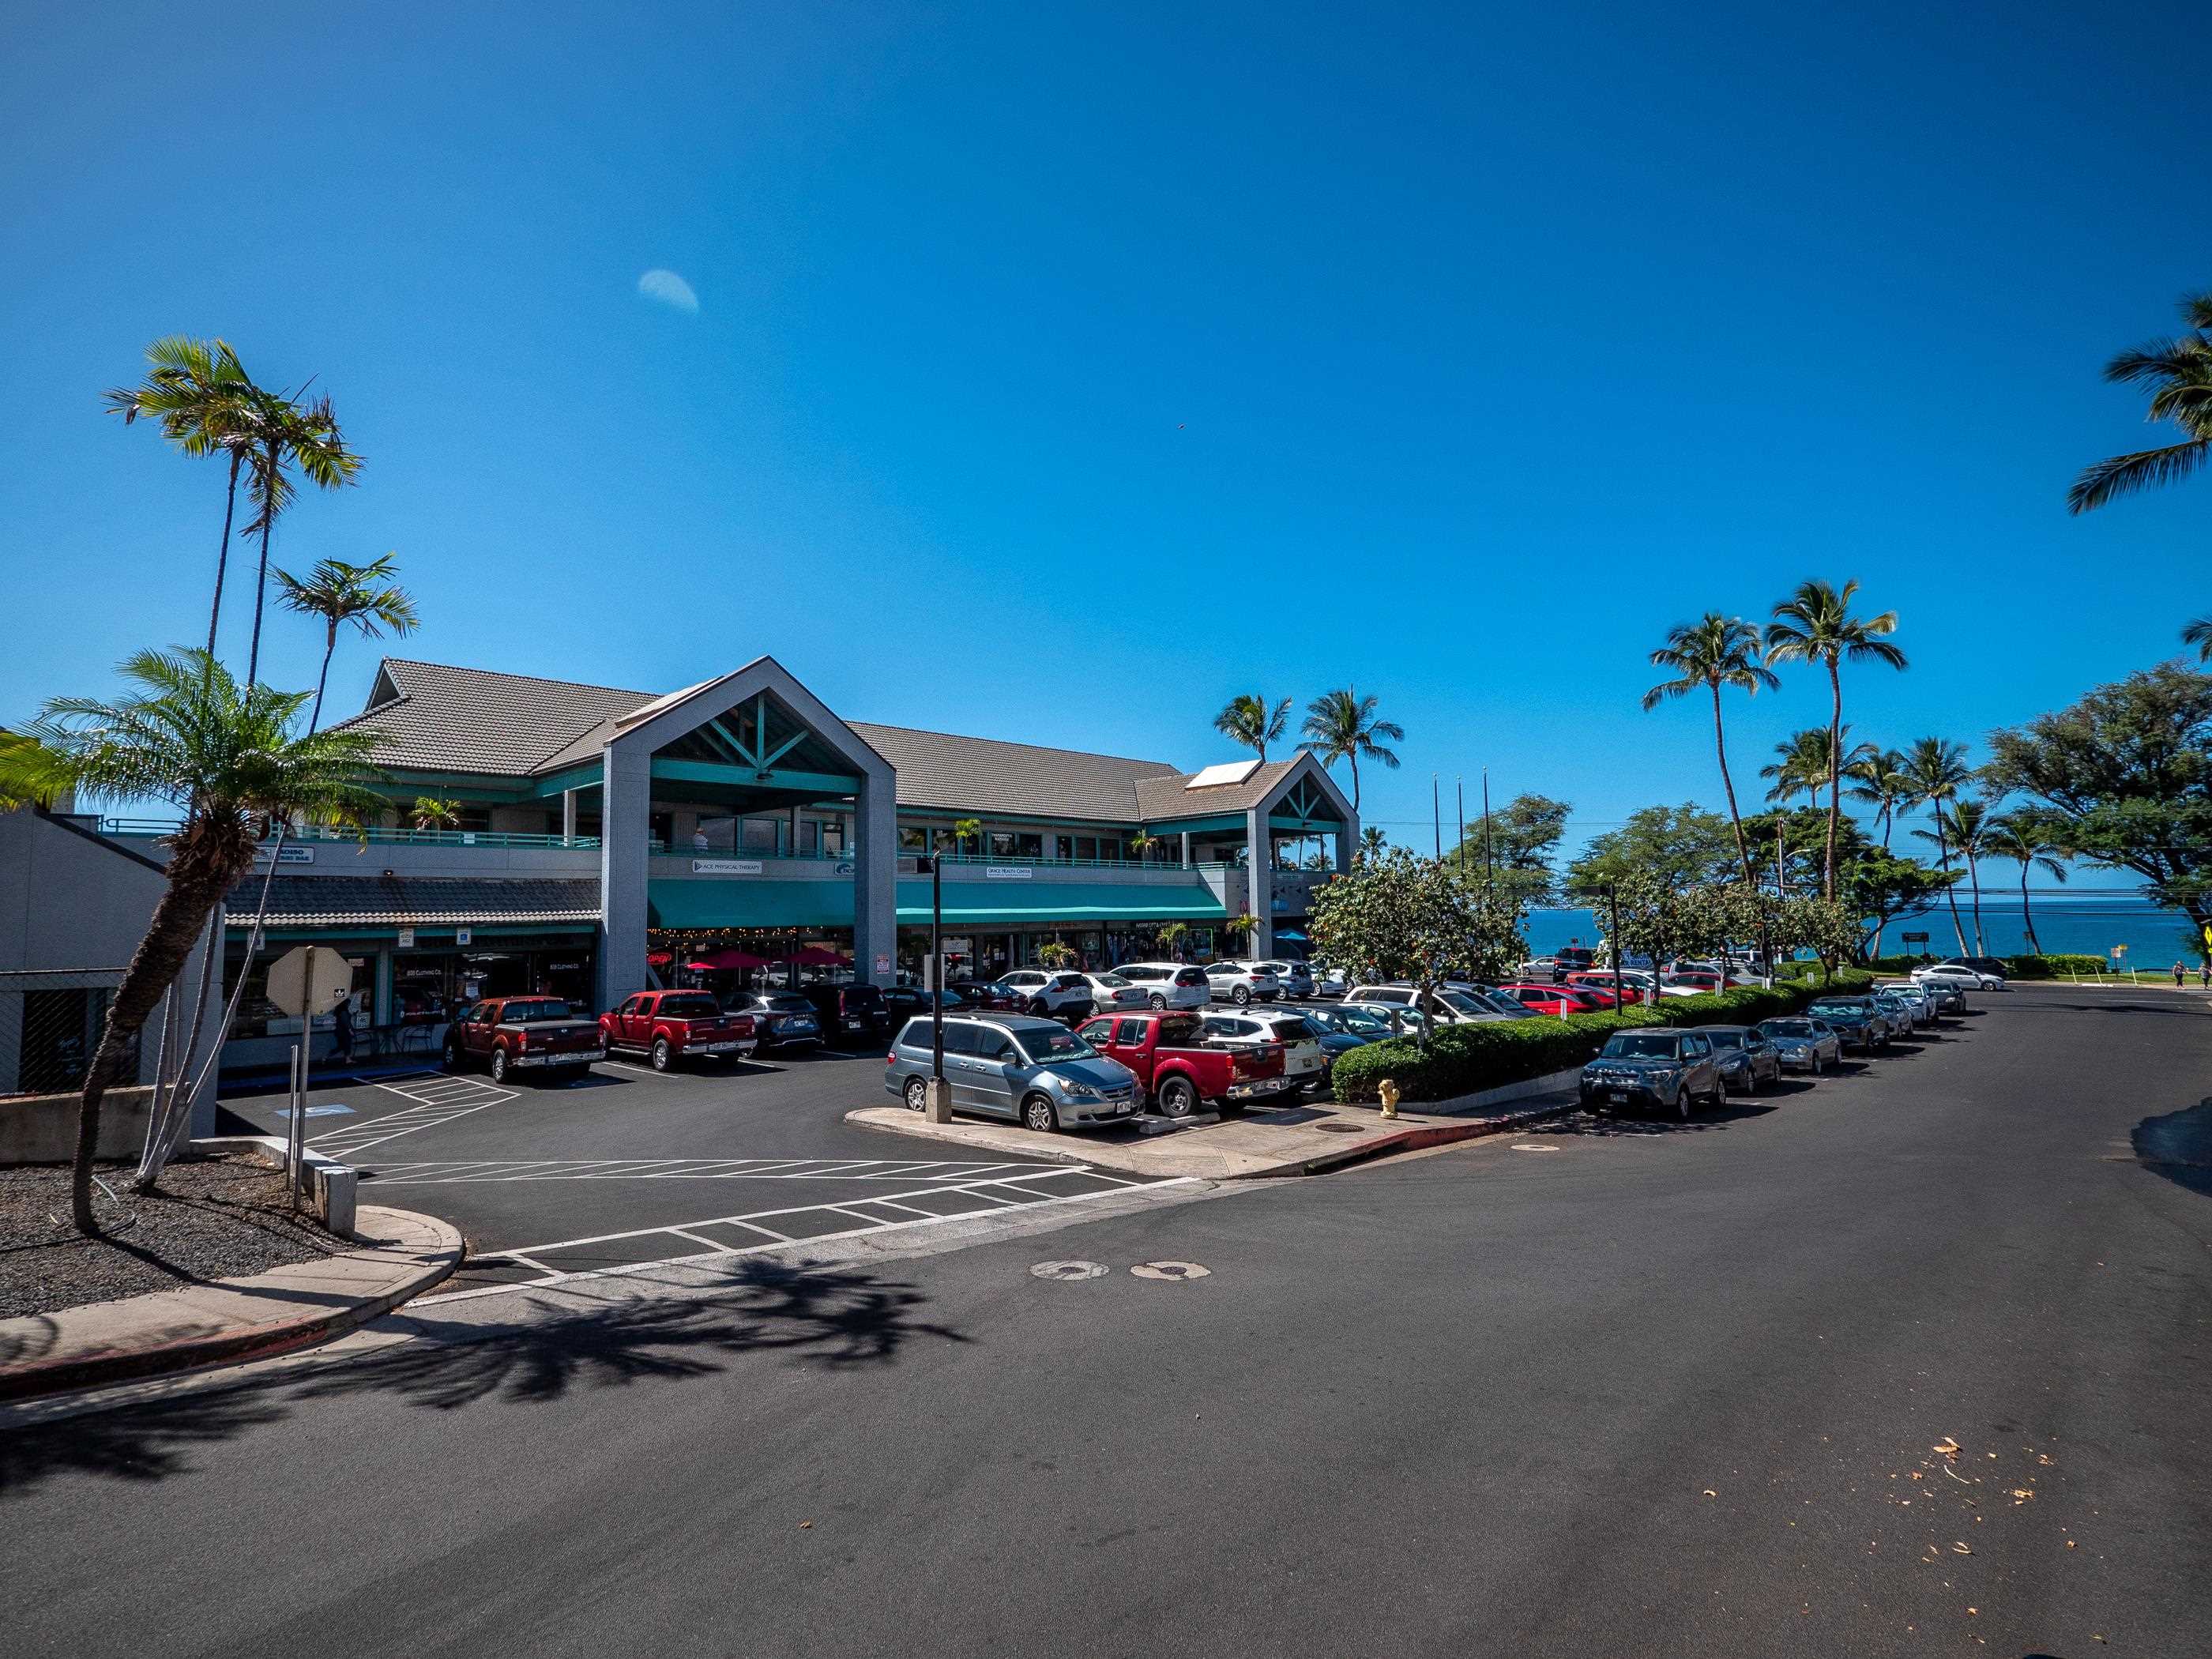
(854, 1016)
(904, 1001)
(1859, 1022)
(784, 1019)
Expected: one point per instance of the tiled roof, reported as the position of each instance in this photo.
(942, 773)
(465, 719)
(412, 901)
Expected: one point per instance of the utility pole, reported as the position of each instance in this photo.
(938, 1107)
(1459, 790)
(1437, 817)
(1489, 872)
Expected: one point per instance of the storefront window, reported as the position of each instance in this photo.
(1002, 844)
(1029, 844)
(911, 838)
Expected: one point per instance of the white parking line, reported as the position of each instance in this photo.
(439, 1102)
(716, 1169)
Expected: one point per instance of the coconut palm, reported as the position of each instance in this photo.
(1878, 778)
(229, 759)
(1962, 825)
(430, 812)
(2027, 838)
(1815, 625)
(2199, 634)
(1709, 654)
(1373, 841)
(204, 403)
(338, 593)
(1801, 765)
(1251, 721)
(1341, 725)
(287, 436)
(2179, 374)
(1935, 771)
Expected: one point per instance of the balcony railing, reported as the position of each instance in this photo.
(1067, 864)
(374, 835)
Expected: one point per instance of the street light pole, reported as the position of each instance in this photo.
(1612, 900)
(937, 1094)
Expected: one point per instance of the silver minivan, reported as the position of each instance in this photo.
(1015, 1066)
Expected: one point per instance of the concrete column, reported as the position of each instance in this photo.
(875, 880)
(568, 815)
(1347, 838)
(381, 1012)
(792, 849)
(625, 825)
(1260, 862)
(1186, 849)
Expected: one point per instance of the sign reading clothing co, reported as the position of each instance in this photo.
(725, 867)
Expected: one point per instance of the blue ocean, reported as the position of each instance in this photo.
(2090, 923)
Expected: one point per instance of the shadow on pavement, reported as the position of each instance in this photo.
(839, 1319)
(1582, 1123)
(2178, 1146)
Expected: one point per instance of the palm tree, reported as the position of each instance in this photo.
(286, 436)
(1171, 938)
(430, 812)
(227, 758)
(1341, 725)
(339, 593)
(1251, 722)
(1963, 825)
(2027, 838)
(1714, 652)
(1244, 924)
(2199, 634)
(204, 403)
(2180, 372)
(1815, 625)
(1373, 841)
(1878, 778)
(1935, 771)
(1801, 765)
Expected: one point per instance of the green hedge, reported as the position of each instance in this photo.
(1464, 1059)
(2048, 966)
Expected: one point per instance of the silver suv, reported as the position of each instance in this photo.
(1035, 1071)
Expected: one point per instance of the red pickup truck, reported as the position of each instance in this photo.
(541, 1034)
(1180, 1069)
(666, 1026)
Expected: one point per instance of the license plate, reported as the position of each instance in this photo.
(1620, 1096)
(852, 1024)
(720, 1048)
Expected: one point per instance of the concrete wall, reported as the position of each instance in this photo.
(42, 1128)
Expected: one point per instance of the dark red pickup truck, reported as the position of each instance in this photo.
(540, 1033)
(1180, 1069)
(666, 1026)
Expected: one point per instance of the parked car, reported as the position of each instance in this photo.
(1994, 967)
(1015, 1066)
(541, 1034)
(1748, 1060)
(1111, 993)
(1399, 1019)
(1671, 1071)
(1491, 998)
(1906, 1014)
(854, 1016)
(1169, 984)
(1344, 1020)
(1295, 977)
(1332, 982)
(1859, 1022)
(1058, 993)
(1698, 981)
(1575, 958)
(904, 1001)
(1242, 982)
(1802, 1044)
(1302, 1058)
(1930, 1000)
(1557, 999)
(1960, 974)
(1451, 1007)
(990, 995)
(1543, 970)
(1179, 1069)
(784, 1019)
(668, 1026)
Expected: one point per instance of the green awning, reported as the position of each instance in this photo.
(675, 902)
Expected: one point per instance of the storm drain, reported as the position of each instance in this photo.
(1338, 1128)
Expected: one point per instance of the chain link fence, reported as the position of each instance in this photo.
(50, 1024)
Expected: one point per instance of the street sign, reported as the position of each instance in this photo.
(462, 936)
(407, 939)
(309, 980)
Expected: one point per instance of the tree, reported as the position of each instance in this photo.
(2027, 838)
(1251, 721)
(1713, 653)
(1815, 625)
(1681, 846)
(1828, 927)
(1056, 954)
(1172, 937)
(1936, 771)
(1244, 924)
(1801, 762)
(1511, 855)
(1879, 778)
(1373, 841)
(430, 812)
(338, 593)
(227, 758)
(1399, 916)
(287, 436)
(1663, 919)
(2199, 634)
(965, 830)
(1960, 825)
(2125, 775)
(205, 404)
(1342, 725)
(2178, 371)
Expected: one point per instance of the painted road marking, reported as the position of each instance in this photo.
(941, 1177)
(439, 1101)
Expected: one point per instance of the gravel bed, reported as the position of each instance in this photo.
(213, 1218)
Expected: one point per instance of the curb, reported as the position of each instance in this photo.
(240, 1343)
(1434, 1134)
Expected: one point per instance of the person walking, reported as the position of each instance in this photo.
(2180, 977)
(341, 1020)
(2204, 973)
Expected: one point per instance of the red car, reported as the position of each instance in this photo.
(541, 1034)
(1600, 986)
(666, 1026)
(1178, 1069)
(1558, 999)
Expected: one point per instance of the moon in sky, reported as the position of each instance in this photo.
(669, 289)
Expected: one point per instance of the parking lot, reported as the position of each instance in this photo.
(629, 1167)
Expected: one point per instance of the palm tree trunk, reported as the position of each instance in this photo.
(330, 649)
(1835, 768)
(198, 878)
(2027, 920)
(1354, 759)
(1720, 750)
(1951, 889)
(1974, 877)
(261, 577)
(223, 555)
(1888, 822)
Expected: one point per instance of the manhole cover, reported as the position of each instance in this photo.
(1068, 1271)
(1338, 1128)
(1532, 1146)
(1169, 1270)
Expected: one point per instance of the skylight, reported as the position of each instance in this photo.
(1228, 772)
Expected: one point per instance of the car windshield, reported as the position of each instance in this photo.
(788, 1002)
(690, 1007)
(1789, 1028)
(1636, 1045)
(1042, 1045)
(1458, 1004)
(1726, 1039)
(1836, 1010)
(1111, 981)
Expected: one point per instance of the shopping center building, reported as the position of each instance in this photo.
(590, 841)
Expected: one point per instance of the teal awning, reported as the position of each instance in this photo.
(675, 902)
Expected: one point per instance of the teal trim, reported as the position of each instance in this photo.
(1312, 825)
(677, 902)
(740, 777)
(1198, 826)
(569, 777)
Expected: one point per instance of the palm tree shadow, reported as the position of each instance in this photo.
(2178, 1146)
(839, 1319)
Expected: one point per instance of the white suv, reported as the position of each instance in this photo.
(1302, 1057)
(1053, 993)
(1242, 982)
(1169, 984)
(1454, 1007)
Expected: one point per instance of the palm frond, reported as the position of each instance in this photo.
(2122, 474)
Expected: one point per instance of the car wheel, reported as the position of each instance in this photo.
(453, 1055)
(660, 1054)
(1241, 996)
(1177, 1098)
(917, 1094)
(1036, 1007)
(499, 1065)
(1038, 1115)
(1685, 1103)
(1156, 1002)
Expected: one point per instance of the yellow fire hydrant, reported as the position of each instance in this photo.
(1389, 1090)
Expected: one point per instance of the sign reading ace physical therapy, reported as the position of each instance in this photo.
(725, 867)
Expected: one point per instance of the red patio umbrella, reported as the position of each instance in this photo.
(730, 959)
(814, 955)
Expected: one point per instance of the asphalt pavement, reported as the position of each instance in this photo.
(1911, 1360)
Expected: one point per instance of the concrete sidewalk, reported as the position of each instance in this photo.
(398, 1254)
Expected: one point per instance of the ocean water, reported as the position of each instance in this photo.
(2088, 923)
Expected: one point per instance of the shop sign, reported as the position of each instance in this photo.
(725, 867)
(1007, 871)
(883, 964)
(287, 855)
(407, 939)
(462, 936)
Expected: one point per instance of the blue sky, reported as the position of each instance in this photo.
(1056, 377)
